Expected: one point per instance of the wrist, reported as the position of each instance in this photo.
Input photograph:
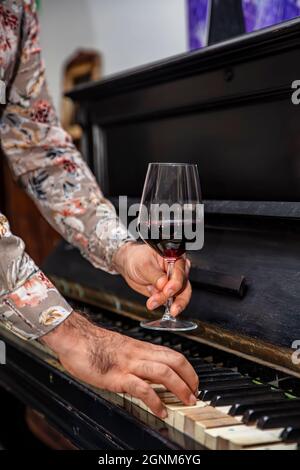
(121, 256)
(65, 337)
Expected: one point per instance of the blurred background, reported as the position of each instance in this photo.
(129, 33)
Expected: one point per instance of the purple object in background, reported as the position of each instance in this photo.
(197, 17)
(258, 14)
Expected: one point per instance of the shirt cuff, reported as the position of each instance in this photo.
(34, 308)
(105, 242)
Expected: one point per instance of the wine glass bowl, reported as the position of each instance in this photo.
(168, 219)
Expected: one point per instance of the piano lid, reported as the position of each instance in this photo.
(228, 108)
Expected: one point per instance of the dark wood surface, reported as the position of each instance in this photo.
(25, 220)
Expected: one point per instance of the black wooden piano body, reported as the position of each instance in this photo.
(227, 108)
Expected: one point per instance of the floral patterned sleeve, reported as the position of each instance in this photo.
(46, 163)
(30, 305)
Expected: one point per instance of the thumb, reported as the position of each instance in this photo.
(155, 276)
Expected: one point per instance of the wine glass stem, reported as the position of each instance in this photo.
(167, 315)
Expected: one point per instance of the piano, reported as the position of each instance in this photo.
(229, 109)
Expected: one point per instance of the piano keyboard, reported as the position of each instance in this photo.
(226, 427)
(233, 412)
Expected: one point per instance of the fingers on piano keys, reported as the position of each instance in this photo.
(214, 427)
(232, 411)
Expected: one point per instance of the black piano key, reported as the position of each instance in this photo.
(291, 434)
(140, 336)
(209, 391)
(196, 361)
(135, 331)
(219, 384)
(124, 326)
(204, 368)
(256, 412)
(236, 398)
(279, 420)
(203, 378)
(177, 347)
(233, 397)
(157, 340)
(148, 338)
(135, 328)
(220, 372)
(176, 343)
(206, 371)
(191, 352)
(241, 408)
(219, 378)
(214, 371)
(196, 352)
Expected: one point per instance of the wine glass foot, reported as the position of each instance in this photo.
(169, 325)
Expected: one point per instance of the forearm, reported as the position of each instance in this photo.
(69, 198)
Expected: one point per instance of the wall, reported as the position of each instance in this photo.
(127, 32)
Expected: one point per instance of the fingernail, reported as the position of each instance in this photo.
(150, 289)
(164, 414)
(175, 310)
(192, 400)
(170, 292)
(153, 305)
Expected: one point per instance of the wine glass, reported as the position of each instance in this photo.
(168, 221)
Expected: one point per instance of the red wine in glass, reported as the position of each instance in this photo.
(172, 245)
(171, 191)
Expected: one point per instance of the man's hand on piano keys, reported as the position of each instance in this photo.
(120, 364)
(146, 272)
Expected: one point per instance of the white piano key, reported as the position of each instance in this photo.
(274, 447)
(236, 437)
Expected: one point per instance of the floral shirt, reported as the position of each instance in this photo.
(46, 163)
